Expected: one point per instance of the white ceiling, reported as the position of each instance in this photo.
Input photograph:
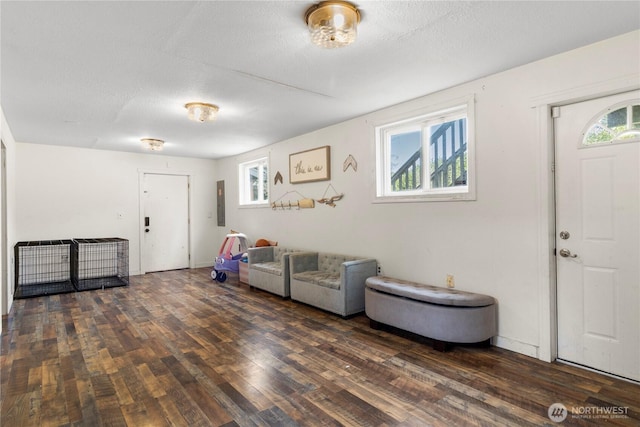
(105, 74)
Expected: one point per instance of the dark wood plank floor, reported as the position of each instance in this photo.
(175, 348)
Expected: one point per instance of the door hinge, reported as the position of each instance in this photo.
(553, 166)
(555, 112)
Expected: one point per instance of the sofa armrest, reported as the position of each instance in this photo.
(365, 262)
(303, 261)
(357, 271)
(285, 261)
(261, 254)
(353, 276)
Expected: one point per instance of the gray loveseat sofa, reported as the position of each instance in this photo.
(331, 282)
(269, 269)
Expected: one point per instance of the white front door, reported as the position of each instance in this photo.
(598, 239)
(166, 222)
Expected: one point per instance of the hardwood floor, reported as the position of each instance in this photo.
(175, 348)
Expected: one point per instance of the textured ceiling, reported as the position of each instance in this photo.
(105, 74)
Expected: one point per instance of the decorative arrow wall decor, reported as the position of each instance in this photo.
(277, 178)
(350, 161)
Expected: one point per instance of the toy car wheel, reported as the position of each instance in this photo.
(222, 276)
(214, 274)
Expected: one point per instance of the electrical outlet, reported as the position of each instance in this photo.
(379, 269)
(450, 282)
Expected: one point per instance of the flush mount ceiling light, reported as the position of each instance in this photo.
(152, 144)
(332, 23)
(201, 111)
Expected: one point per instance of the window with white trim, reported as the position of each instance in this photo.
(427, 156)
(254, 182)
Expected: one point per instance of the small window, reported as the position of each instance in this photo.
(254, 182)
(426, 157)
(618, 124)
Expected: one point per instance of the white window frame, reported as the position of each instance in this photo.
(244, 182)
(420, 120)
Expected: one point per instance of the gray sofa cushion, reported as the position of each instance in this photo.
(269, 267)
(320, 278)
(427, 293)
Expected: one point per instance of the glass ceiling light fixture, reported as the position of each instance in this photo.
(332, 23)
(201, 111)
(152, 144)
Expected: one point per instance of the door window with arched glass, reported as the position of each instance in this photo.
(617, 124)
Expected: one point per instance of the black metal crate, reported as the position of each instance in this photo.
(100, 263)
(42, 268)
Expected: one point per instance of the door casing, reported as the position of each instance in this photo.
(6, 289)
(547, 349)
(141, 174)
(600, 266)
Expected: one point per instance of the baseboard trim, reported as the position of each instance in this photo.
(205, 264)
(517, 346)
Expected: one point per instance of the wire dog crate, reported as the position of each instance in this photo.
(42, 268)
(100, 263)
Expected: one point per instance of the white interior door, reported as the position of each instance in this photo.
(166, 222)
(597, 241)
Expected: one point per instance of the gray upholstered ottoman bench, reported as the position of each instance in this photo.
(442, 314)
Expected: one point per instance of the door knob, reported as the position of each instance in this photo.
(566, 253)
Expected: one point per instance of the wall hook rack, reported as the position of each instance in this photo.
(302, 203)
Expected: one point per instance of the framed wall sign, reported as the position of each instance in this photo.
(311, 165)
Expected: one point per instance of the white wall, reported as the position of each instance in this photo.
(6, 259)
(495, 245)
(65, 192)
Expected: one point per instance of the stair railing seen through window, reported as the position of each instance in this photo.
(427, 157)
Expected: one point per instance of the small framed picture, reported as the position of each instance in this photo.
(311, 165)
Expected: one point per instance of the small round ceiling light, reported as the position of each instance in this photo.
(152, 144)
(332, 23)
(201, 111)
